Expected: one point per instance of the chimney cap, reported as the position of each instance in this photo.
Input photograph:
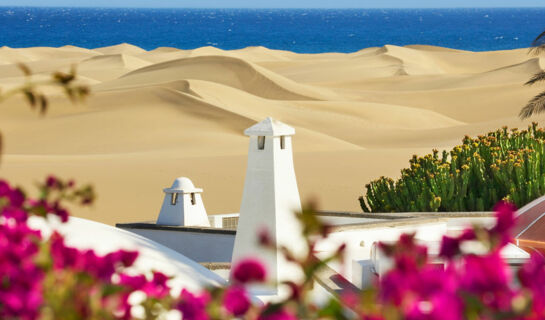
(182, 185)
(270, 127)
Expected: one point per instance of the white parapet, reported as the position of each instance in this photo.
(183, 205)
(269, 201)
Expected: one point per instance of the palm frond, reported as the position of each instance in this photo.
(538, 45)
(540, 76)
(534, 106)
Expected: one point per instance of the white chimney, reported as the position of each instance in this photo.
(270, 200)
(183, 205)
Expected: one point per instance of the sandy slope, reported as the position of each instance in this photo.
(156, 115)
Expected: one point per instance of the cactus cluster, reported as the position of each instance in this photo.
(474, 176)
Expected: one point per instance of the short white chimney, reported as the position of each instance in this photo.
(269, 201)
(183, 205)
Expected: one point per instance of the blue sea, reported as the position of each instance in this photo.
(299, 30)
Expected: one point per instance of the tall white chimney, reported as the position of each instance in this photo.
(270, 200)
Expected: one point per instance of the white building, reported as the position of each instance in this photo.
(269, 199)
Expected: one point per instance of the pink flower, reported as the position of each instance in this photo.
(52, 182)
(488, 278)
(406, 252)
(59, 211)
(442, 306)
(15, 213)
(15, 196)
(133, 282)
(21, 285)
(450, 247)
(249, 270)
(532, 276)
(468, 234)
(126, 258)
(157, 287)
(4, 188)
(236, 301)
(505, 215)
(192, 306)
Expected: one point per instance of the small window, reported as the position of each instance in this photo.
(173, 199)
(261, 142)
(282, 142)
(193, 201)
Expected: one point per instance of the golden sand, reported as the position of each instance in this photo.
(156, 115)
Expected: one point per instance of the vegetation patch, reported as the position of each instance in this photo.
(501, 165)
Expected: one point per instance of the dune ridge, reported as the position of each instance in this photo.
(156, 115)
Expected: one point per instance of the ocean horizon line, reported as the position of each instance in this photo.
(277, 8)
(254, 46)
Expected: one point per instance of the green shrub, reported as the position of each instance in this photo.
(474, 176)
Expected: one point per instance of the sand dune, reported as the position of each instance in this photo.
(228, 71)
(124, 48)
(156, 115)
(110, 66)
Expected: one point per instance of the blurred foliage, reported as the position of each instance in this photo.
(31, 89)
(536, 104)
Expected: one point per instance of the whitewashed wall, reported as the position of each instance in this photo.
(359, 241)
(198, 246)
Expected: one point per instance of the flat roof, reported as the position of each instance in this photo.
(404, 215)
(386, 224)
(154, 226)
(397, 219)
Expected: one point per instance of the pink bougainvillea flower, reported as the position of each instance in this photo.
(4, 187)
(21, 285)
(59, 211)
(17, 214)
(15, 196)
(505, 215)
(133, 282)
(488, 277)
(249, 270)
(157, 287)
(125, 258)
(102, 267)
(532, 277)
(192, 306)
(450, 247)
(505, 221)
(52, 182)
(442, 306)
(406, 253)
(236, 301)
(468, 234)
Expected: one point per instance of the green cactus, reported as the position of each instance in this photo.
(503, 164)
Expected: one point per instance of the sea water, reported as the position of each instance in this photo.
(299, 30)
